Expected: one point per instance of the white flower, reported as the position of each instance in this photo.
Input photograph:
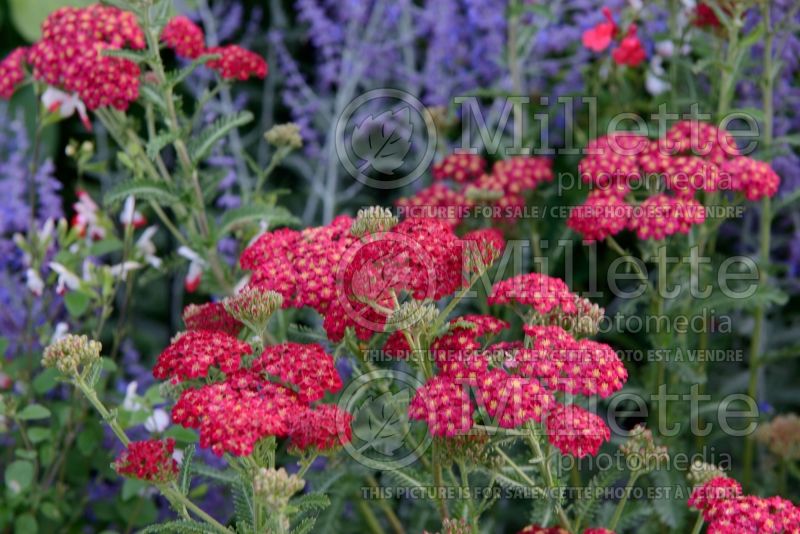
(130, 216)
(66, 104)
(131, 402)
(655, 81)
(146, 246)
(177, 455)
(86, 219)
(158, 422)
(121, 270)
(61, 330)
(66, 278)
(34, 282)
(196, 268)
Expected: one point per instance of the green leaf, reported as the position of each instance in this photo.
(19, 476)
(38, 434)
(131, 55)
(185, 476)
(26, 524)
(305, 526)
(106, 246)
(204, 142)
(142, 190)
(45, 381)
(272, 215)
(77, 303)
(159, 143)
(176, 77)
(179, 527)
(311, 501)
(132, 487)
(32, 412)
(179, 433)
(28, 16)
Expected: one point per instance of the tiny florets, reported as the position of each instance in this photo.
(149, 460)
(72, 353)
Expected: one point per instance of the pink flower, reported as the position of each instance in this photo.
(599, 37)
(630, 51)
(149, 460)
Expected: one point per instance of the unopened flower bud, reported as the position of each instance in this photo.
(781, 436)
(253, 307)
(641, 451)
(413, 314)
(701, 472)
(276, 487)
(284, 136)
(373, 220)
(70, 353)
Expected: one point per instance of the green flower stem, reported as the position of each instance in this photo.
(623, 501)
(394, 521)
(170, 491)
(767, 82)
(539, 457)
(698, 525)
(438, 481)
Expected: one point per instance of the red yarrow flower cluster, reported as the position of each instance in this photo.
(693, 159)
(211, 316)
(322, 429)
(307, 368)
(233, 415)
(576, 431)
(194, 352)
(727, 511)
(149, 460)
(444, 405)
(70, 55)
(459, 168)
(12, 72)
(540, 292)
(513, 400)
(506, 185)
(234, 62)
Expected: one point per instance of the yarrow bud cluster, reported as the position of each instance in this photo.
(71, 354)
(781, 436)
(641, 451)
(284, 136)
(275, 487)
(373, 220)
(149, 460)
(253, 307)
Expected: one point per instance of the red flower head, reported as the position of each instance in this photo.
(600, 36)
(210, 316)
(70, 55)
(459, 167)
(513, 400)
(11, 72)
(704, 16)
(306, 367)
(756, 179)
(444, 405)
(630, 50)
(185, 37)
(232, 416)
(600, 216)
(536, 529)
(237, 63)
(322, 428)
(575, 431)
(437, 202)
(708, 495)
(149, 460)
(194, 352)
(541, 292)
(661, 216)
